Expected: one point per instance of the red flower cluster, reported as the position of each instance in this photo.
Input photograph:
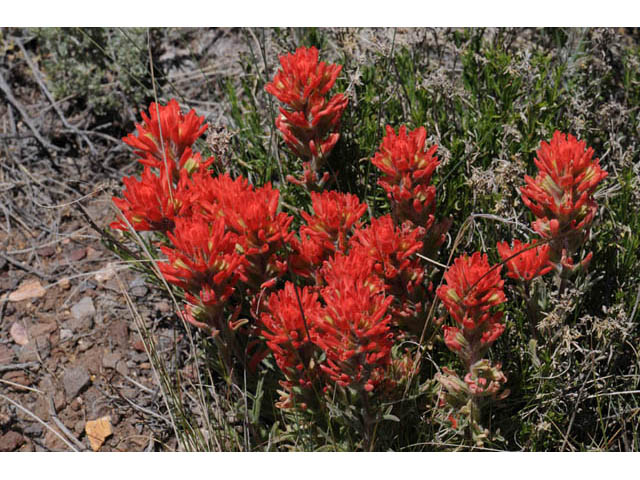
(408, 167)
(147, 204)
(335, 216)
(166, 137)
(561, 195)
(472, 291)
(203, 261)
(357, 339)
(525, 261)
(224, 233)
(348, 325)
(290, 326)
(392, 252)
(309, 123)
(473, 288)
(155, 201)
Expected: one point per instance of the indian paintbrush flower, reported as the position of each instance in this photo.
(309, 121)
(525, 261)
(561, 195)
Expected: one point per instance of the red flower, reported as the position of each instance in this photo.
(167, 126)
(301, 76)
(356, 336)
(472, 289)
(262, 232)
(310, 121)
(290, 325)
(563, 189)
(408, 167)
(203, 259)
(211, 196)
(308, 255)
(311, 133)
(335, 215)
(148, 203)
(341, 270)
(531, 263)
(392, 249)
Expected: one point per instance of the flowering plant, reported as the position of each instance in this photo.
(561, 197)
(319, 298)
(309, 121)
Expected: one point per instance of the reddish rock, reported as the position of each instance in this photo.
(54, 443)
(11, 441)
(119, 333)
(92, 359)
(6, 355)
(17, 377)
(47, 251)
(75, 380)
(42, 328)
(138, 345)
(77, 254)
(34, 351)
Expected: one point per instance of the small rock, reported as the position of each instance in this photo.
(115, 418)
(84, 344)
(18, 378)
(106, 273)
(137, 281)
(5, 420)
(145, 366)
(36, 350)
(6, 354)
(34, 430)
(65, 333)
(11, 441)
(47, 251)
(59, 402)
(19, 333)
(122, 368)
(93, 254)
(64, 283)
(77, 254)
(54, 443)
(163, 306)
(119, 333)
(138, 345)
(82, 313)
(78, 427)
(139, 357)
(109, 360)
(98, 431)
(137, 287)
(129, 392)
(93, 360)
(139, 291)
(43, 328)
(76, 404)
(27, 290)
(75, 380)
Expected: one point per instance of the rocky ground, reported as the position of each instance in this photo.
(74, 374)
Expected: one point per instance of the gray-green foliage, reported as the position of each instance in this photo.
(104, 69)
